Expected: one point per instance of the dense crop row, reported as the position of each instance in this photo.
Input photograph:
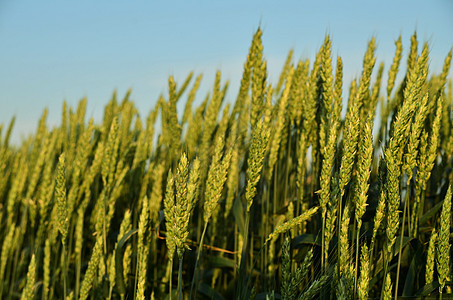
(272, 196)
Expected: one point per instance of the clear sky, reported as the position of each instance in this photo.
(52, 51)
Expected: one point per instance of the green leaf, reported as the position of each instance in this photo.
(221, 262)
(411, 276)
(268, 296)
(209, 292)
(406, 240)
(428, 289)
(430, 213)
(303, 239)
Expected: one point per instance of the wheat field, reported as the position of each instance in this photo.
(271, 195)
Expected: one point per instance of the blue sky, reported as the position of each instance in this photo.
(52, 51)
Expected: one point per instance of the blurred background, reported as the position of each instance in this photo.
(51, 51)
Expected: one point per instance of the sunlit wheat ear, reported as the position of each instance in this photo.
(183, 206)
(125, 227)
(284, 72)
(369, 61)
(364, 278)
(393, 154)
(93, 265)
(292, 223)
(149, 131)
(258, 81)
(216, 178)
(233, 172)
(177, 209)
(280, 122)
(272, 245)
(393, 71)
(327, 93)
(7, 136)
(331, 217)
(428, 153)
(155, 200)
(414, 137)
(255, 162)
(378, 218)
(182, 174)
(351, 133)
(36, 172)
(194, 130)
(371, 104)
(84, 151)
(183, 86)
(364, 161)
(193, 185)
(412, 58)
(387, 295)
(338, 84)
(410, 156)
(313, 91)
(246, 75)
(209, 125)
(46, 269)
(171, 117)
(343, 242)
(446, 69)
(331, 122)
(78, 245)
(170, 218)
(387, 104)
(325, 195)
(365, 157)
(111, 273)
(7, 246)
(28, 292)
(60, 192)
(297, 91)
(443, 245)
(188, 108)
(430, 258)
(111, 152)
(142, 249)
